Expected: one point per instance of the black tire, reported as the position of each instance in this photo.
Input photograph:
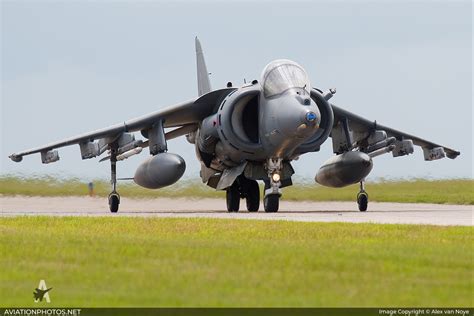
(114, 201)
(362, 201)
(233, 198)
(271, 203)
(253, 196)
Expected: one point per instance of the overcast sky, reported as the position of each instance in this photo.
(71, 67)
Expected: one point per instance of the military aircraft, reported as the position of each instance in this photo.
(39, 294)
(248, 133)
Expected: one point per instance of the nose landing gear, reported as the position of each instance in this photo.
(362, 198)
(271, 201)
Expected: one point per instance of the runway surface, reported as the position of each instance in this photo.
(388, 213)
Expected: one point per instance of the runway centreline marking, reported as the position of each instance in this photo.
(378, 212)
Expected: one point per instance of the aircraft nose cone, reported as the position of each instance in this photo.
(294, 117)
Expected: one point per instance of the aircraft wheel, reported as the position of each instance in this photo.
(253, 196)
(233, 198)
(114, 201)
(271, 203)
(363, 201)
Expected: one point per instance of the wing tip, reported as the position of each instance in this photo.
(15, 157)
(453, 154)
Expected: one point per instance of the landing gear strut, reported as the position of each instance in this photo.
(114, 197)
(271, 201)
(362, 198)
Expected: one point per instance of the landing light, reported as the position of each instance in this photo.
(275, 177)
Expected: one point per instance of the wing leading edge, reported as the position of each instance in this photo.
(350, 130)
(184, 117)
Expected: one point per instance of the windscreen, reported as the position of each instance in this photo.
(282, 75)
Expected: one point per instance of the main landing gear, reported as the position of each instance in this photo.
(114, 197)
(243, 188)
(362, 198)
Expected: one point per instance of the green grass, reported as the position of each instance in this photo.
(211, 262)
(414, 191)
(460, 191)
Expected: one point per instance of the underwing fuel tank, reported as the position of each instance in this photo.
(345, 169)
(160, 171)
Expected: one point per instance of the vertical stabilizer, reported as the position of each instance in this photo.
(204, 85)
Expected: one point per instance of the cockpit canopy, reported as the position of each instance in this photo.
(282, 75)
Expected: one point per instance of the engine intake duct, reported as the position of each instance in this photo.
(208, 136)
(237, 121)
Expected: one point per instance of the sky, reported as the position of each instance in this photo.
(71, 67)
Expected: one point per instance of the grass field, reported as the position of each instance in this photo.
(460, 191)
(212, 262)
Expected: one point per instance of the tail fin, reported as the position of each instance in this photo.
(204, 85)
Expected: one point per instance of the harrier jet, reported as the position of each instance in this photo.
(246, 134)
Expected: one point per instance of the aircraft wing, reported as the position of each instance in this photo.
(351, 131)
(184, 117)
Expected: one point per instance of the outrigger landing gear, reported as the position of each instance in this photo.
(114, 197)
(362, 198)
